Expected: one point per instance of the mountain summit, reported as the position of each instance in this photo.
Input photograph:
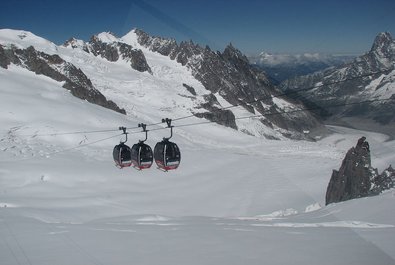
(383, 43)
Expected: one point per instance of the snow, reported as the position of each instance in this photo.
(131, 39)
(283, 104)
(251, 125)
(23, 39)
(107, 37)
(376, 89)
(235, 199)
(75, 43)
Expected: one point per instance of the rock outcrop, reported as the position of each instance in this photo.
(356, 177)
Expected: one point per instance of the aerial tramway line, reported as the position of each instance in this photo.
(167, 154)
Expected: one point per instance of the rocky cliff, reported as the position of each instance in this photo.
(356, 177)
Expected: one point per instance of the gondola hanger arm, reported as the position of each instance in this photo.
(168, 121)
(144, 126)
(125, 133)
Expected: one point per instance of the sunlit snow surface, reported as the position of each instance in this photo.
(235, 199)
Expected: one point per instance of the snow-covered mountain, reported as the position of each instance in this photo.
(235, 199)
(185, 79)
(368, 77)
(285, 66)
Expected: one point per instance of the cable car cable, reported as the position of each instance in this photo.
(223, 108)
(286, 112)
(206, 122)
(83, 145)
(70, 133)
(295, 91)
(47, 155)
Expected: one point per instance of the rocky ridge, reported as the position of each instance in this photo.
(112, 51)
(357, 178)
(230, 75)
(58, 69)
(368, 77)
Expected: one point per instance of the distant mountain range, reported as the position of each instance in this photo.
(284, 66)
(368, 77)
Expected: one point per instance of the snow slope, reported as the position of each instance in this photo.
(235, 199)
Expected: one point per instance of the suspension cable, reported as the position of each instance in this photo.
(223, 108)
(294, 91)
(288, 112)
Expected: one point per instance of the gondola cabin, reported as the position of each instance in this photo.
(167, 155)
(142, 156)
(122, 155)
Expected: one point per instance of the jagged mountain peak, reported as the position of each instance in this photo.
(232, 49)
(232, 53)
(383, 49)
(382, 41)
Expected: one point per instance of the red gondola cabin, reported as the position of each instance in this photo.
(142, 156)
(167, 155)
(122, 155)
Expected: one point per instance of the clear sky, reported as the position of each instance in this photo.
(278, 26)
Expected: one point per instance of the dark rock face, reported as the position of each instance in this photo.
(190, 89)
(113, 51)
(231, 75)
(56, 68)
(136, 57)
(356, 177)
(161, 45)
(352, 180)
(350, 83)
(4, 59)
(105, 50)
(215, 114)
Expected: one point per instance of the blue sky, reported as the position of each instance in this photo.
(278, 26)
